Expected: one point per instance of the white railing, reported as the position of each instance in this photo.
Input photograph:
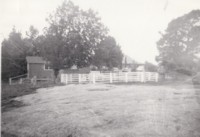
(17, 80)
(109, 77)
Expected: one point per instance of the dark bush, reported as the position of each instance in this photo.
(184, 71)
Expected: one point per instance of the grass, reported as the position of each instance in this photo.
(9, 92)
(109, 110)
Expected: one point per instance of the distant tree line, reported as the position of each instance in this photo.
(73, 37)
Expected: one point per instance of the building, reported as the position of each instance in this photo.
(37, 66)
(129, 63)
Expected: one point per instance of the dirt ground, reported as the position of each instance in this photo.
(103, 110)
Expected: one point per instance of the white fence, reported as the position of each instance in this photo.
(17, 79)
(109, 77)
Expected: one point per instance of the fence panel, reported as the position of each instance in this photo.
(135, 76)
(119, 77)
(110, 77)
(104, 78)
(84, 78)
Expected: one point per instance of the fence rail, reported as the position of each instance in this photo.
(17, 80)
(109, 77)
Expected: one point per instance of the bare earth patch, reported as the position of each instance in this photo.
(102, 110)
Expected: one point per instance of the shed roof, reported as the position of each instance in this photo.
(35, 59)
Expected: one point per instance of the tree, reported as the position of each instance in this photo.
(150, 67)
(33, 39)
(14, 51)
(180, 43)
(72, 37)
(108, 54)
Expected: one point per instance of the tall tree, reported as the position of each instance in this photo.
(180, 43)
(14, 51)
(33, 40)
(108, 54)
(72, 36)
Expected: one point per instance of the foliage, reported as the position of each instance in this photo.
(72, 36)
(34, 40)
(150, 67)
(14, 51)
(108, 54)
(180, 43)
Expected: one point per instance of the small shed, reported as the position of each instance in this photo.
(37, 66)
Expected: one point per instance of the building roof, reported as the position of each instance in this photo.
(35, 59)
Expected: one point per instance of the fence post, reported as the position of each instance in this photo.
(20, 81)
(126, 77)
(79, 78)
(149, 76)
(70, 77)
(66, 78)
(10, 81)
(62, 78)
(93, 78)
(156, 77)
(143, 77)
(34, 80)
(111, 80)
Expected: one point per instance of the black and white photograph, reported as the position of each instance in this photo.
(100, 68)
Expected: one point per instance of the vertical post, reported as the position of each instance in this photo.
(71, 78)
(66, 78)
(111, 79)
(10, 81)
(142, 77)
(27, 70)
(62, 78)
(93, 78)
(34, 80)
(126, 77)
(156, 77)
(90, 77)
(149, 76)
(79, 78)
(20, 81)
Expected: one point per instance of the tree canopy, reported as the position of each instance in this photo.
(72, 36)
(108, 54)
(180, 43)
(14, 51)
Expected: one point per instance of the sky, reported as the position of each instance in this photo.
(135, 24)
